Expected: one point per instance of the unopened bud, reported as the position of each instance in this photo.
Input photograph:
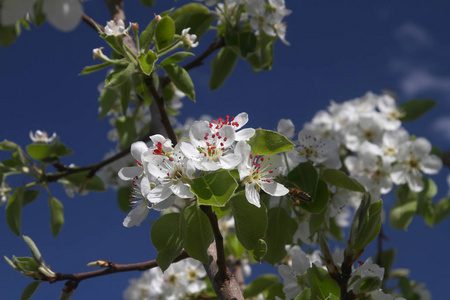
(157, 18)
(97, 53)
(99, 263)
(47, 272)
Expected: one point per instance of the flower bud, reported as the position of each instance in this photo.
(157, 18)
(97, 53)
(99, 263)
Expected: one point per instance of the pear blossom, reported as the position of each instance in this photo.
(189, 39)
(321, 151)
(364, 271)
(174, 174)
(380, 295)
(116, 28)
(414, 159)
(140, 206)
(390, 113)
(138, 149)
(210, 149)
(294, 277)
(286, 128)
(258, 172)
(237, 123)
(391, 142)
(42, 137)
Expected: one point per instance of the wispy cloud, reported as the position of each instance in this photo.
(442, 127)
(412, 36)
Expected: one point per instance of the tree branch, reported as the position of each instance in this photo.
(75, 279)
(89, 21)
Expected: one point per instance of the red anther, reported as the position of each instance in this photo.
(262, 158)
(168, 174)
(225, 139)
(232, 119)
(159, 145)
(135, 177)
(360, 263)
(251, 156)
(170, 158)
(214, 121)
(213, 136)
(221, 144)
(268, 180)
(270, 172)
(139, 164)
(134, 183)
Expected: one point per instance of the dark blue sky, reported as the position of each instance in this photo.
(339, 50)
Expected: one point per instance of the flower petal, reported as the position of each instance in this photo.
(129, 173)
(251, 194)
(274, 188)
(430, 164)
(136, 215)
(138, 149)
(159, 193)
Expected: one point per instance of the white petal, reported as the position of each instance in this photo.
(159, 193)
(244, 134)
(251, 194)
(209, 166)
(228, 132)
(241, 119)
(129, 173)
(399, 173)
(274, 188)
(157, 166)
(182, 190)
(145, 187)
(63, 14)
(415, 181)
(286, 127)
(189, 150)
(420, 147)
(136, 215)
(138, 149)
(430, 164)
(197, 133)
(165, 204)
(300, 262)
(229, 161)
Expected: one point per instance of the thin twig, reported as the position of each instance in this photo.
(89, 21)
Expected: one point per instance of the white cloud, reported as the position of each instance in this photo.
(419, 80)
(412, 36)
(442, 127)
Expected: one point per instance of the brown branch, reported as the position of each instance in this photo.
(89, 21)
(112, 268)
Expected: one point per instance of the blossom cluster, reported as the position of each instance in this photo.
(165, 172)
(179, 281)
(262, 15)
(379, 152)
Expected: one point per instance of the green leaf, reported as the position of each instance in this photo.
(40, 151)
(180, 77)
(9, 146)
(95, 68)
(29, 290)
(82, 181)
(366, 225)
(319, 200)
(199, 234)
(146, 36)
(250, 222)
(322, 285)
(280, 232)
(117, 78)
(141, 89)
(340, 179)
(148, 3)
(29, 196)
(304, 295)
(266, 43)
(403, 211)
(26, 263)
(8, 34)
(221, 67)
(14, 211)
(267, 142)
(164, 32)
(414, 109)
(127, 131)
(316, 221)
(260, 284)
(107, 99)
(34, 250)
(305, 178)
(221, 211)
(195, 16)
(168, 236)
(56, 215)
(259, 250)
(442, 210)
(123, 198)
(125, 96)
(176, 58)
(214, 189)
(147, 61)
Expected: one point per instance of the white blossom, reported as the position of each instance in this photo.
(189, 39)
(258, 172)
(42, 137)
(116, 28)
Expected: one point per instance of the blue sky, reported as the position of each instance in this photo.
(339, 50)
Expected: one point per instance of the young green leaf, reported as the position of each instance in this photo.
(168, 236)
(117, 78)
(29, 196)
(250, 222)
(180, 77)
(56, 215)
(8, 146)
(14, 211)
(106, 100)
(199, 234)
(195, 16)
(260, 284)
(147, 61)
(214, 189)
(322, 285)
(29, 290)
(414, 109)
(176, 58)
(267, 142)
(281, 229)
(442, 210)
(340, 179)
(305, 177)
(125, 96)
(141, 88)
(164, 32)
(403, 211)
(95, 68)
(221, 67)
